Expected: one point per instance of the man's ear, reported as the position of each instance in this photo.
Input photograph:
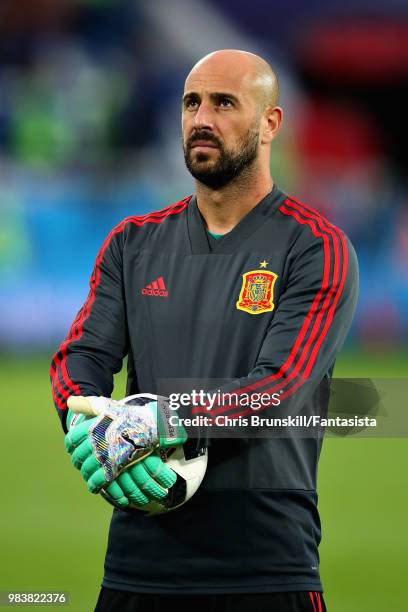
(271, 122)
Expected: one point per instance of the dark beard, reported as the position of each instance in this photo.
(230, 164)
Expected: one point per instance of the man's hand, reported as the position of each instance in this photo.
(124, 433)
(148, 480)
(142, 483)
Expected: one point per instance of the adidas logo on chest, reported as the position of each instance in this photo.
(156, 288)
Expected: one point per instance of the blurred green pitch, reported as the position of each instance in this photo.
(53, 532)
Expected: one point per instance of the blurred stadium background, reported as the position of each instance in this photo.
(89, 133)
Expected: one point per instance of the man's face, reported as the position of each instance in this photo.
(220, 124)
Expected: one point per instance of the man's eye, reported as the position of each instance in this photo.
(191, 104)
(226, 102)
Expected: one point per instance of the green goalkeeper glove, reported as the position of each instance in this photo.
(148, 480)
(142, 483)
(103, 456)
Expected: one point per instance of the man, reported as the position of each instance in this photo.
(253, 287)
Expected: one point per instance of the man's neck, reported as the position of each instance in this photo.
(222, 209)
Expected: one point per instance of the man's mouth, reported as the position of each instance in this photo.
(203, 144)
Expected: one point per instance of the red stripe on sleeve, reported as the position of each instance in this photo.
(55, 394)
(312, 600)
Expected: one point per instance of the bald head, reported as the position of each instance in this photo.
(243, 70)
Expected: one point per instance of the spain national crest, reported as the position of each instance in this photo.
(256, 294)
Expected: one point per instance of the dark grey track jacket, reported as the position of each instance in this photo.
(267, 306)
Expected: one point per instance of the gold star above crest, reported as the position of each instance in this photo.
(263, 263)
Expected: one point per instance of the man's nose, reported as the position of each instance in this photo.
(204, 116)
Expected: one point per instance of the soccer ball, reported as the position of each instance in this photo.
(190, 472)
